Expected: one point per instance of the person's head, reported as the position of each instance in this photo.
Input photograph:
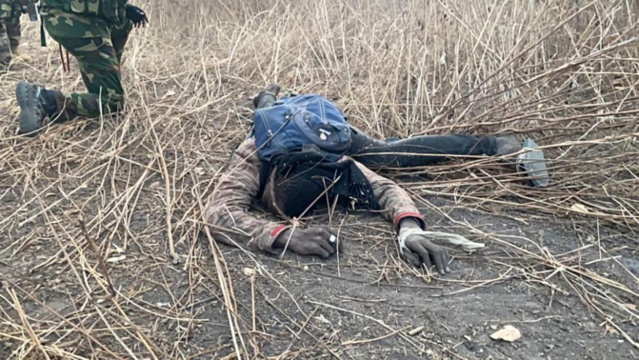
(292, 193)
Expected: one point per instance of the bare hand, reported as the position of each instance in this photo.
(313, 241)
(422, 251)
(419, 250)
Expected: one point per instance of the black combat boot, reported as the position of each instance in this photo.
(267, 97)
(36, 104)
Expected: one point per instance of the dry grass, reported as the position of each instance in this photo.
(564, 72)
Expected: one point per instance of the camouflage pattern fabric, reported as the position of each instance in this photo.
(112, 11)
(97, 45)
(10, 31)
(227, 209)
(5, 49)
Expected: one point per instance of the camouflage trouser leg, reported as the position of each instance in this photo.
(100, 70)
(120, 36)
(5, 48)
(99, 63)
(9, 17)
(14, 31)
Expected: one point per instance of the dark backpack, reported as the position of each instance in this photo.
(294, 123)
(303, 138)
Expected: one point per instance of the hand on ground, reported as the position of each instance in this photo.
(314, 241)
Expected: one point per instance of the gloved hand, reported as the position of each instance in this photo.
(317, 241)
(136, 15)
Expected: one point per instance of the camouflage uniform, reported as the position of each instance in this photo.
(227, 210)
(10, 12)
(95, 32)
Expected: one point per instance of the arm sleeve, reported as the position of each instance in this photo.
(395, 202)
(227, 211)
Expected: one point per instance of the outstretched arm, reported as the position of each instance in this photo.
(228, 208)
(398, 207)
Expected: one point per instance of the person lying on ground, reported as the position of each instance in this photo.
(232, 223)
(291, 183)
(415, 151)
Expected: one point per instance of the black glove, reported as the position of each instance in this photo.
(136, 15)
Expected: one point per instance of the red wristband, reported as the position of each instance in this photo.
(278, 230)
(417, 216)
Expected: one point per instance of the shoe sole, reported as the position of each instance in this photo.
(533, 164)
(27, 97)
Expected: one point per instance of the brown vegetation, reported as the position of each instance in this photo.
(133, 187)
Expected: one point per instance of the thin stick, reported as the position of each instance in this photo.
(368, 341)
(23, 318)
(101, 262)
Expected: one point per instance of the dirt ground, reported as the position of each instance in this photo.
(561, 264)
(366, 303)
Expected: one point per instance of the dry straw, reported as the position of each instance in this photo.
(564, 72)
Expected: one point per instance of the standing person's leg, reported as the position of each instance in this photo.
(119, 37)
(14, 30)
(425, 150)
(100, 70)
(5, 47)
(6, 10)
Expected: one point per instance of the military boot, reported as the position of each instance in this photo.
(267, 97)
(36, 104)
